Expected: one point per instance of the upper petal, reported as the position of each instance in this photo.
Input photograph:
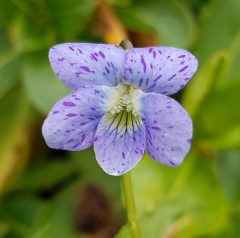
(168, 128)
(119, 142)
(81, 64)
(163, 70)
(72, 122)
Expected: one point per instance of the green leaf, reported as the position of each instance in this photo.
(153, 223)
(220, 24)
(171, 22)
(204, 81)
(227, 167)
(13, 139)
(69, 18)
(43, 87)
(9, 75)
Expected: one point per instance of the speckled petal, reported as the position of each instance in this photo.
(81, 64)
(163, 70)
(168, 128)
(119, 143)
(72, 122)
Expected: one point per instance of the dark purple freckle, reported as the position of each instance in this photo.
(130, 70)
(71, 115)
(123, 164)
(93, 108)
(94, 57)
(168, 107)
(67, 131)
(181, 56)
(160, 52)
(156, 79)
(147, 81)
(154, 121)
(85, 68)
(170, 127)
(172, 149)
(152, 86)
(82, 115)
(78, 99)
(156, 128)
(182, 62)
(154, 54)
(60, 59)
(123, 155)
(144, 64)
(106, 68)
(102, 54)
(91, 118)
(182, 69)
(96, 91)
(70, 141)
(96, 138)
(172, 77)
(136, 152)
(131, 60)
(83, 123)
(168, 57)
(189, 141)
(70, 48)
(108, 64)
(150, 50)
(151, 66)
(72, 64)
(96, 54)
(171, 59)
(186, 79)
(79, 51)
(69, 104)
(55, 112)
(172, 163)
(76, 145)
(140, 82)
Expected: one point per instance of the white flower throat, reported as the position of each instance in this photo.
(124, 102)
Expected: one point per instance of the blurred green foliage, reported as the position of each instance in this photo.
(42, 189)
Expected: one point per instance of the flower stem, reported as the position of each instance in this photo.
(130, 205)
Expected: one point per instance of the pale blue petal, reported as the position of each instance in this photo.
(163, 70)
(119, 144)
(72, 122)
(81, 64)
(168, 128)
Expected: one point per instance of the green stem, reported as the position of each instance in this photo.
(130, 205)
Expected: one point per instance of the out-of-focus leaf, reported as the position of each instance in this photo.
(32, 34)
(122, 3)
(171, 22)
(45, 177)
(90, 171)
(43, 87)
(7, 12)
(9, 75)
(13, 139)
(227, 167)
(69, 17)
(154, 223)
(218, 114)
(203, 82)
(220, 24)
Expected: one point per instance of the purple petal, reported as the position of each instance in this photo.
(81, 64)
(118, 147)
(72, 122)
(168, 128)
(163, 70)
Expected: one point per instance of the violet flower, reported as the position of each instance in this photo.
(120, 104)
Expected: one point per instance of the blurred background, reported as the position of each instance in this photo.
(49, 193)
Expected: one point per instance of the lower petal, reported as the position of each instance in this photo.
(119, 142)
(168, 128)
